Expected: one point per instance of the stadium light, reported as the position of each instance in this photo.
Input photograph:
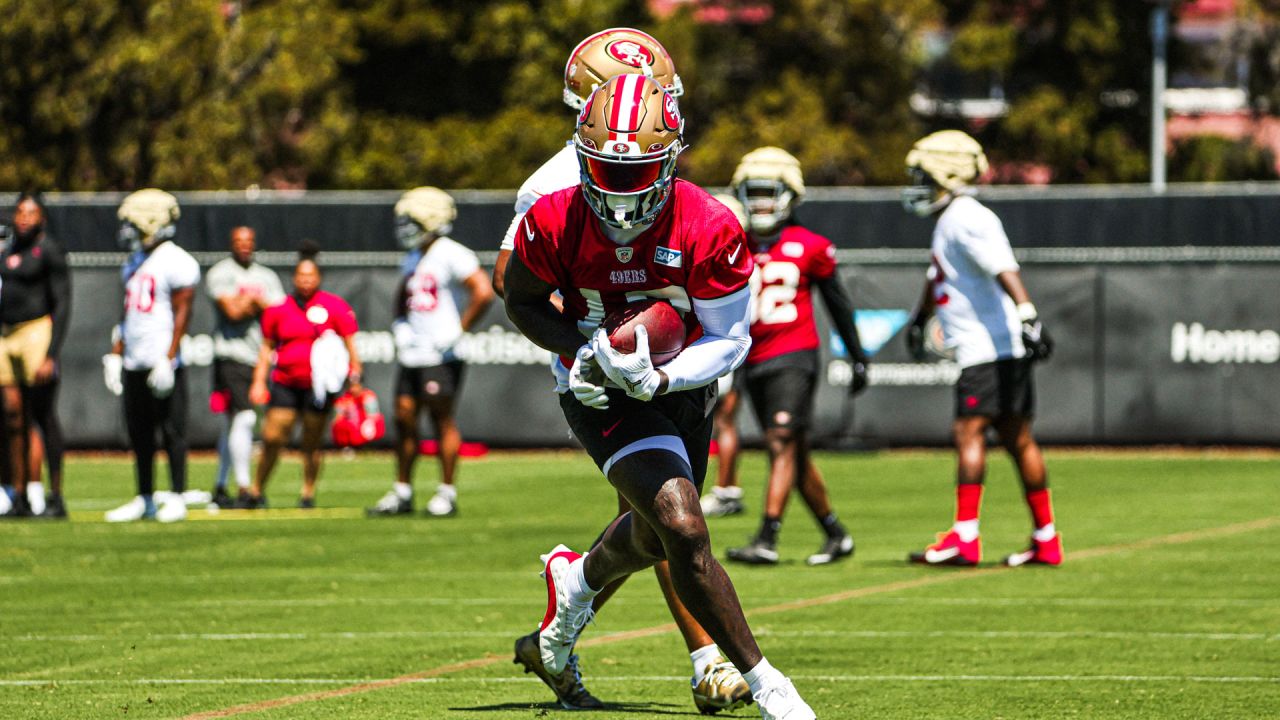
(1159, 78)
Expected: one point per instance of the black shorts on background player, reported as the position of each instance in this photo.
(997, 390)
(299, 399)
(781, 390)
(432, 381)
(685, 415)
(234, 379)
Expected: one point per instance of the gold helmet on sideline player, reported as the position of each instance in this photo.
(628, 137)
(609, 53)
(769, 184)
(423, 210)
(147, 218)
(941, 165)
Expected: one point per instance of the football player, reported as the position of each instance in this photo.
(428, 324)
(781, 371)
(35, 305)
(629, 231)
(716, 683)
(146, 362)
(240, 289)
(725, 497)
(989, 321)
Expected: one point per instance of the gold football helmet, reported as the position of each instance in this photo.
(941, 165)
(732, 203)
(628, 137)
(147, 218)
(613, 52)
(423, 210)
(769, 184)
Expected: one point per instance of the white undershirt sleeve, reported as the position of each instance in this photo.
(726, 338)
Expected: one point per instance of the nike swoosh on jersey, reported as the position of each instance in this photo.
(734, 255)
(528, 232)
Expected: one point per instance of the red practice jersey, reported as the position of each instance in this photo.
(695, 249)
(782, 307)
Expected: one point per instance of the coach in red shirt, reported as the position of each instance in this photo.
(291, 332)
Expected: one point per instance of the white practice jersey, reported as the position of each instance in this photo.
(979, 319)
(148, 310)
(433, 322)
(239, 341)
(558, 173)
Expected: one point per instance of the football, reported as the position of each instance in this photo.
(662, 321)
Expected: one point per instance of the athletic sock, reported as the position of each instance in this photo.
(35, 497)
(1044, 534)
(580, 593)
(831, 525)
(240, 446)
(448, 491)
(732, 492)
(403, 490)
(968, 501)
(761, 676)
(702, 658)
(769, 530)
(1041, 507)
(5, 503)
(966, 530)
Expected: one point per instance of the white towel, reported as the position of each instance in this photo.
(330, 364)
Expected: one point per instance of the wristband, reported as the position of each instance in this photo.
(1027, 312)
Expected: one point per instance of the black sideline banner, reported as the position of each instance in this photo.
(1161, 353)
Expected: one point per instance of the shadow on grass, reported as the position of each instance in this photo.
(642, 709)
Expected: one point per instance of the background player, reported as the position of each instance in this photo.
(428, 324)
(309, 340)
(241, 290)
(987, 317)
(725, 497)
(35, 311)
(716, 684)
(159, 284)
(781, 371)
(631, 230)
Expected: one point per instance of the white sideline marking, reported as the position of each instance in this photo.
(600, 679)
(362, 635)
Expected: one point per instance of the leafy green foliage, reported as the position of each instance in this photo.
(196, 94)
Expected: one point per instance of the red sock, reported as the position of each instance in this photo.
(968, 498)
(1041, 507)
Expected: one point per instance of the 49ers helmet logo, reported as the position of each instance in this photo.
(670, 112)
(630, 53)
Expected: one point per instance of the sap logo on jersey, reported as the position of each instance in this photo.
(628, 277)
(667, 256)
(1194, 344)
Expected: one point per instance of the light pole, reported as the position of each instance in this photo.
(1159, 77)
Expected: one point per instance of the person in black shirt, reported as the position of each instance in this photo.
(35, 303)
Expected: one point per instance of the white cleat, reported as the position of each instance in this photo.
(135, 509)
(783, 702)
(564, 619)
(173, 509)
(444, 503)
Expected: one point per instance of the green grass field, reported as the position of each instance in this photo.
(1168, 605)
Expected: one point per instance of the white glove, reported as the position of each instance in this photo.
(112, 373)
(160, 379)
(581, 374)
(634, 373)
